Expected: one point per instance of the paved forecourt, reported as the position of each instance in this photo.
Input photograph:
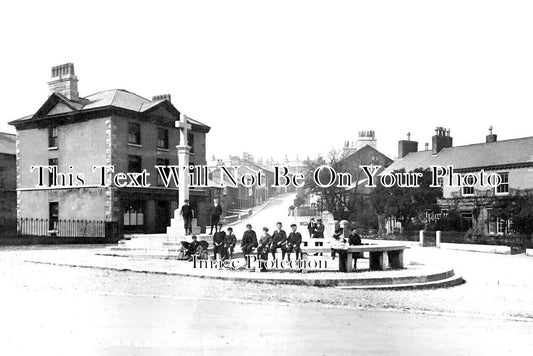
(322, 271)
(384, 266)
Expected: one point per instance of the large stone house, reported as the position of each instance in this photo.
(110, 128)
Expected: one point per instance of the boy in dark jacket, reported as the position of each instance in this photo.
(293, 242)
(249, 241)
(229, 244)
(264, 246)
(218, 242)
(279, 240)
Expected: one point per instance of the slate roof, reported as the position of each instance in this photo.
(514, 152)
(118, 98)
(362, 150)
(7, 143)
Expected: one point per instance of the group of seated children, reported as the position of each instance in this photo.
(271, 243)
(224, 244)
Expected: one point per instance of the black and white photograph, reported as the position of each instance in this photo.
(266, 177)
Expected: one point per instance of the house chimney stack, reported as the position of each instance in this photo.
(64, 81)
(161, 97)
(407, 146)
(366, 138)
(491, 137)
(441, 139)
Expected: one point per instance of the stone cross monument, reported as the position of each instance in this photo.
(183, 159)
(176, 227)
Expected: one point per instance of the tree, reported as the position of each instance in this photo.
(332, 198)
(299, 201)
(342, 202)
(405, 203)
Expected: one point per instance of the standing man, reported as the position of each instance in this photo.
(229, 244)
(186, 212)
(279, 239)
(293, 242)
(215, 211)
(218, 243)
(249, 241)
(354, 240)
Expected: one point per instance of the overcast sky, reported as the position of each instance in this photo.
(287, 77)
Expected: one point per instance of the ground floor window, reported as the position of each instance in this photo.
(499, 225)
(134, 218)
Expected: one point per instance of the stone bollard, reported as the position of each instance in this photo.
(421, 237)
(437, 239)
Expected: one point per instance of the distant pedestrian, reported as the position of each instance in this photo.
(291, 210)
(311, 228)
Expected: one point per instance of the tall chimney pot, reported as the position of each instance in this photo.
(64, 81)
(161, 97)
(442, 139)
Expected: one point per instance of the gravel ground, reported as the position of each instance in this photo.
(485, 298)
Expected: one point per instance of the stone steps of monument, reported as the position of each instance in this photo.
(176, 225)
(439, 280)
(173, 230)
(170, 238)
(150, 244)
(154, 252)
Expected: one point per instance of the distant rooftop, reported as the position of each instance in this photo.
(7, 143)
